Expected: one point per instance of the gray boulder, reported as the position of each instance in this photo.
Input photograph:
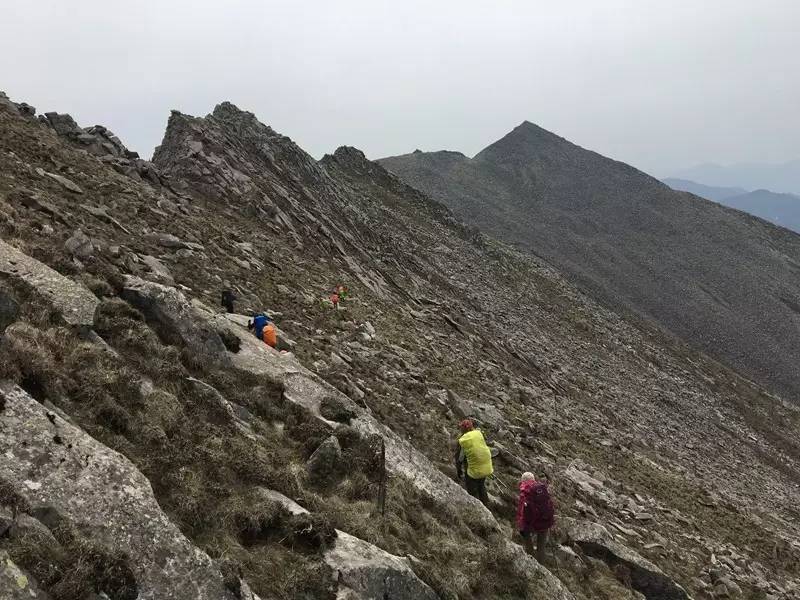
(104, 496)
(65, 182)
(6, 105)
(176, 319)
(338, 408)
(63, 124)
(362, 570)
(326, 461)
(158, 269)
(167, 240)
(365, 572)
(9, 309)
(72, 301)
(484, 414)
(79, 245)
(15, 584)
(596, 541)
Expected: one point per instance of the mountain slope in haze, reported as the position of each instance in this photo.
(726, 282)
(646, 441)
(780, 177)
(781, 209)
(718, 194)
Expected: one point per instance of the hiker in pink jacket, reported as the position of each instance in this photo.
(535, 514)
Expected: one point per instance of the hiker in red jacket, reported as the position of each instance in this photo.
(535, 514)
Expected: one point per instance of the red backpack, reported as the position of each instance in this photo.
(536, 507)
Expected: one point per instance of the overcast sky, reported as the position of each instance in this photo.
(659, 84)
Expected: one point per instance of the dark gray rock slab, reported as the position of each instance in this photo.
(103, 494)
(72, 301)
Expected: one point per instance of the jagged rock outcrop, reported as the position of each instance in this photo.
(595, 540)
(74, 303)
(230, 156)
(65, 475)
(97, 140)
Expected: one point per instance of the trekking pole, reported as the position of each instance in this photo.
(500, 483)
(382, 485)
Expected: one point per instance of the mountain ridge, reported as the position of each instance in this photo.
(634, 242)
(269, 463)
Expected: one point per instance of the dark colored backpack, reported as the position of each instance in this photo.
(539, 507)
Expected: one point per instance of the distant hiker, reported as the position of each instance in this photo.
(535, 514)
(473, 453)
(228, 298)
(342, 291)
(335, 300)
(270, 335)
(264, 329)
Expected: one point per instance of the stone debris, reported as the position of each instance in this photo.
(66, 183)
(595, 540)
(79, 245)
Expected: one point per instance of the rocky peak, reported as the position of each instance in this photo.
(229, 150)
(350, 158)
(525, 141)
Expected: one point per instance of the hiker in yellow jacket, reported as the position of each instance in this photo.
(473, 453)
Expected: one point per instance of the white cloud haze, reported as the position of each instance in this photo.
(658, 84)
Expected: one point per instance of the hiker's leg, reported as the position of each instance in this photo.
(527, 542)
(482, 493)
(472, 486)
(541, 540)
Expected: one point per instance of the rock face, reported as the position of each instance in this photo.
(97, 140)
(196, 324)
(365, 571)
(326, 460)
(74, 303)
(634, 242)
(15, 584)
(177, 318)
(595, 540)
(61, 471)
(9, 309)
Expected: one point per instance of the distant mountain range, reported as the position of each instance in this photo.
(783, 177)
(709, 192)
(781, 209)
(721, 279)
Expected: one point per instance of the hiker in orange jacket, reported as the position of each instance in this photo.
(270, 335)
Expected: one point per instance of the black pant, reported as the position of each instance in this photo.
(477, 488)
(541, 541)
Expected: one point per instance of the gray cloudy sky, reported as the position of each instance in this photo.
(659, 84)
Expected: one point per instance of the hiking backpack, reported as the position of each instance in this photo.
(539, 511)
